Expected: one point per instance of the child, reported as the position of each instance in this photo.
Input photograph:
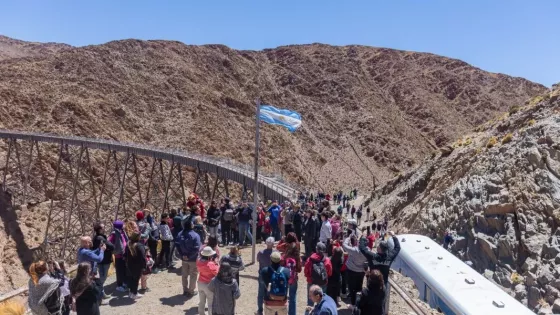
(199, 229)
(267, 229)
(225, 289)
(166, 239)
(146, 272)
(235, 262)
(334, 282)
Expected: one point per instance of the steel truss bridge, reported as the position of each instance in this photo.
(92, 180)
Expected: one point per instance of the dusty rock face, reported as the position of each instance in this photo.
(364, 108)
(13, 48)
(498, 191)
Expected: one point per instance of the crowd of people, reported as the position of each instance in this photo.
(337, 257)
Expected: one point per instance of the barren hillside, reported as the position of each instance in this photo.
(392, 106)
(13, 48)
(498, 191)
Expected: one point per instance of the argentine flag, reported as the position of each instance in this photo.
(282, 117)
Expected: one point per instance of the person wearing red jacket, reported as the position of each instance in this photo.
(284, 243)
(315, 259)
(207, 269)
(261, 216)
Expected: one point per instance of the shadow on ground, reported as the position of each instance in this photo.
(13, 230)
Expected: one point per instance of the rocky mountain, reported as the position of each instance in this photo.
(498, 191)
(13, 48)
(366, 111)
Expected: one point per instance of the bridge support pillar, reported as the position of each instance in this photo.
(202, 184)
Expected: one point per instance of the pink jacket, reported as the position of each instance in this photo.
(207, 270)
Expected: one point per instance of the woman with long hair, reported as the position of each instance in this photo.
(373, 295)
(12, 308)
(84, 291)
(44, 291)
(135, 263)
(225, 289)
(292, 260)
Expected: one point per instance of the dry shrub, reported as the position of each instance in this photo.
(532, 122)
(514, 109)
(516, 278)
(507, 138)
(535, 100)
(12, 307)
(492, 142)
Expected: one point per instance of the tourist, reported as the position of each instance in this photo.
(286, 241)
(166, 239)
(143, 227)
(335, 279)
(292, 260)
(298, 221)
(382, 260)
(153, 237)
(207, 269)
(225, 289)
(198, 227)
(276, 298)
(245, 218)
(324, 304)
(57, 270)
(373, 295)
(135, 263)
(274, 211)
(447, 239)
(359, 216)
(288, 218)
(228, 215)
(263, 258)
(325, 235)
(310, 237)
(354, 267)
(213, 243)
(353, 211)
(44, 297)
(235, 261)
(213, 219)
(336, 224)
(188, 244)
(368, 211)
(86, 254)
(103, 266)
(267, 228)
(352, 229)
(318, 269)
(261, 217)
(119, 240)
(84, 291)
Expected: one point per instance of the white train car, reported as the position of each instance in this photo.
(448, 284)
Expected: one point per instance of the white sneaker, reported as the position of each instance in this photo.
(135, 296)
(139, 295)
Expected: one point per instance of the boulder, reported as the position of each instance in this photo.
(535, 158)
(487, 247)
(556, 284)
(545, 277)
(556, 306)
(534, 244)
(520, 292)
(557, 259)
(533, 296)
(530, 265)
(530, 279)
(545, 311)
(499, 208)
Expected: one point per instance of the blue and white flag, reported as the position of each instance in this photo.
(282, 117)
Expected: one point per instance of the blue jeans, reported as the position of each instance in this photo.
(260, 296)
(309, 302)
(244, 229)
(275, 231)
(103, 273)
(292, 297)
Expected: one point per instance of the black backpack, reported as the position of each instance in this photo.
(319, 273)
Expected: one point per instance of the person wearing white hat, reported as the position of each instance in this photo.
(207, 269)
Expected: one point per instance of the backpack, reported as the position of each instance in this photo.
(291, 264)
(278, 285)
(119, 249)
(228, 215)
(319, 273)
(165, 232)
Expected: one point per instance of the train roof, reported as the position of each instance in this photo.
(462, 288)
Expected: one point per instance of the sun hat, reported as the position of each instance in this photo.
(275, 257)
(208, 251)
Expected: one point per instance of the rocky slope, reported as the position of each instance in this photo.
(364, 109)
(13, 48)
(498, 191)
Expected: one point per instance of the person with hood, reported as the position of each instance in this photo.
(225, 289)
(373, 295)
(208, 269)
(119, 239)
(310, 237)
(84, 291)
(103, 266)
(135, 264)
(275, 211)
(317, 270)
(324, 304)
(355, 272)
(382, 260)
(45, 297)
(213, 219)
(188, 244)
(86, 254)
(227, 217)
(274, 279)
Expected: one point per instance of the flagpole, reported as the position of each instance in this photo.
(256, 182)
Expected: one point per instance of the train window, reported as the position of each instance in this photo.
(427, 293)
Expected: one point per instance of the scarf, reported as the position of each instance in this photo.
(38, 294)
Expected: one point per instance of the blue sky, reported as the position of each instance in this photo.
(516, 37)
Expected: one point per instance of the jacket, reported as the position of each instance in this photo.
(371, 302)
(108, 254)
(86, 303)
(144, 229)
(225, 295)
(314, 258)
(245, 214)
(213, 216)
(381, 262)
(266, 278)
(335, 228)
(188, 244)
(310, 230)
(326, 232)
(92, 256)
(136, 264)
(326, 306)
(177, 227)
(207, 269)
(356, 260)
(118, 245)
(235, 262)
(274, 214)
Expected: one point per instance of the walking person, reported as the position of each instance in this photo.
(119, 240)
(310, 237)
(261, 217)
(135, 264)
(368, 211)
(84, 291)
(275, 280)
(225, 289)
(263, 258)
(274, 211)
(103, 266)
(298, 222)
(213, 219)
(166, 240)
(359, 216)
(226, 221)
(355, 271)
(208, 269)
(335, 279)
(245, 218)
(45, 297)
(317, 270)
(353, 211)
(371, 300)
(233, 258)
(188, 244)
(292, 260)
(326, 233)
